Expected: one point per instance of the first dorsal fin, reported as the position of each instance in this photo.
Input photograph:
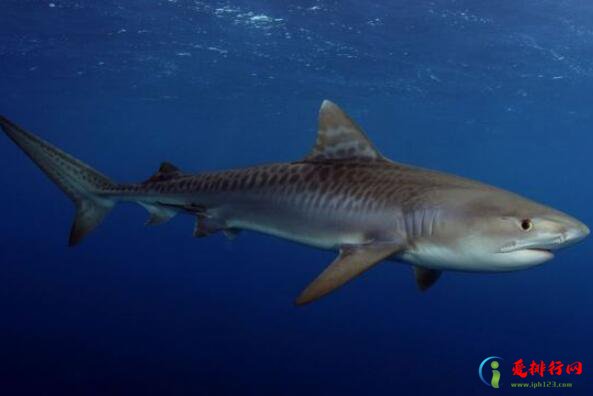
(339, 137)
(166, 171)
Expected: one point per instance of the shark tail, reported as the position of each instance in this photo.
(85, 186)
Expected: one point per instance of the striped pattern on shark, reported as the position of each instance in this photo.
(343, 196)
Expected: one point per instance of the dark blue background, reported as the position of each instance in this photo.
(498, 91)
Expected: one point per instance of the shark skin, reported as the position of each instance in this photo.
(343, 196)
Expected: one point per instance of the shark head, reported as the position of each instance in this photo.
(495, 230)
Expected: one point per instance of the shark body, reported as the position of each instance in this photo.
(343, 196)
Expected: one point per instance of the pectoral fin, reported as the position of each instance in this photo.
(425, 277)
(352, 261)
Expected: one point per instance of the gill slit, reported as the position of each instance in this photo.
(423, 224)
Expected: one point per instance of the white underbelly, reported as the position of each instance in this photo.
(443, 258)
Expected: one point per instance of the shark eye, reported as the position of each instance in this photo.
(526, 225)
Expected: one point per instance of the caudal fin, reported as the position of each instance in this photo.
(80, 182)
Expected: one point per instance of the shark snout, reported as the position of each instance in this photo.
(576, 232)
(570, 231)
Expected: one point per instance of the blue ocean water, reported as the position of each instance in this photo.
(496, 91)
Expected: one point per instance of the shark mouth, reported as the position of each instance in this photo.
(527, 254)
(514, 247)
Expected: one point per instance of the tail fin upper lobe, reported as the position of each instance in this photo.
(79, 181)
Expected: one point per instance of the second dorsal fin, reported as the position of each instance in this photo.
(166, 171)
(167, 167)
(339, 137)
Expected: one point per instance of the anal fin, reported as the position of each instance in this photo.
(426, 277)
(158, 214)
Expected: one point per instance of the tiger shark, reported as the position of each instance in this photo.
(343, 196)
